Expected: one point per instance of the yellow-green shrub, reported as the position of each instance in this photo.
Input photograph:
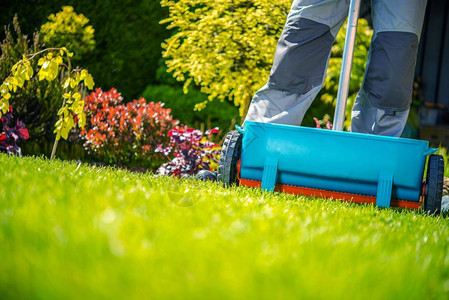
(69, 29)
(225, 47)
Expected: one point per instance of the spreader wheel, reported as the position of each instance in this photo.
(229, 157)
(434, 184)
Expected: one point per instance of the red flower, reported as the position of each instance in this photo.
(24, 133)
(126, 133)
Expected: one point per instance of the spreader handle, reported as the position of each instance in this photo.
(345, 74)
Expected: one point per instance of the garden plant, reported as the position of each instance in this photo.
(126, 134)
(54, 64)
(71, 30)
(37, 102)
(31, 72)
(143, 136)
(189, 152)
(11, 134)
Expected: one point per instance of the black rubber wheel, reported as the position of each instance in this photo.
(206, 175)
(229, 157)
(434, 184)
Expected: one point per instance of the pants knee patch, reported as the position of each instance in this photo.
(301, 56)
(389, 78)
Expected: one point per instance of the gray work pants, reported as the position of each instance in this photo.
(302, 55)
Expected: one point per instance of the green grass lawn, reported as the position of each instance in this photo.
(80, 232)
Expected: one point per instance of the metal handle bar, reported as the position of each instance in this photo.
(345, 74)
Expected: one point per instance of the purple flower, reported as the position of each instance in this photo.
(189, 153)
(10, 136)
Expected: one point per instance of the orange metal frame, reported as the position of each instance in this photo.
(290, 189)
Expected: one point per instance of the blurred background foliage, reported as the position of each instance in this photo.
(128, 37)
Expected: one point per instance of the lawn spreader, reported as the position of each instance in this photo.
(361, 168)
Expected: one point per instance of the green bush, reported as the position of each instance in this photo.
(129, 38)
(164, 77)
(216, 114)
(69, 29)
(38, 102)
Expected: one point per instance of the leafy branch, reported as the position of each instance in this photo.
(52, 62)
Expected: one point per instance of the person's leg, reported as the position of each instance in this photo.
(366, 118)
(300, 62)
(383, 103)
